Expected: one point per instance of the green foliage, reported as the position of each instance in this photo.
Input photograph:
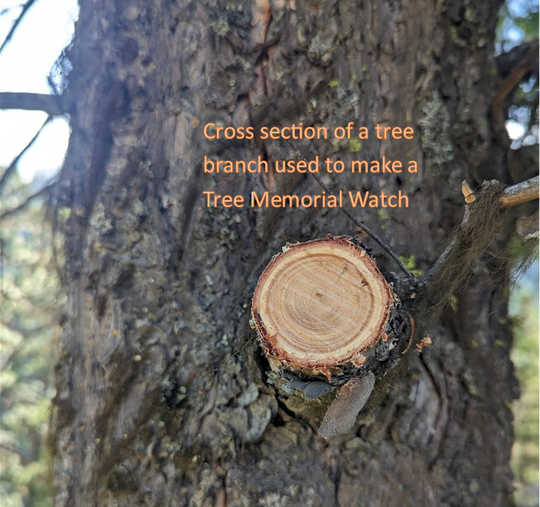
(28, 325)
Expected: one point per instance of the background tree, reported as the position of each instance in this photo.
(162, 396)
(29, 315)
(524, 357)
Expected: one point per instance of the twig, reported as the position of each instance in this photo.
(51, 104)
(25, 8)
(357, 222)
(411, 320)
(513, 79)
(506, 62)
(27, 201)
(13, 165)
(533, 115)
(518, 194)
(367, 230)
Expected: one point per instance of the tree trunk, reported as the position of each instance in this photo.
(162, 388)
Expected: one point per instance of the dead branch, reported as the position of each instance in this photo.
(9, 171)
(51, 104)
(45, 190)
(17, 22)
(482, 219)
(354, 220)
(506, 62)
(518, 194)
(367, 230)
(518, 72)
(533, 115)
(511, 196)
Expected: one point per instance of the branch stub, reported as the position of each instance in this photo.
(321, 305)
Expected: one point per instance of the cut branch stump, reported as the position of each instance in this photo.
(321, 307)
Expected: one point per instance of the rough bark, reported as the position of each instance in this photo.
(162, 394)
